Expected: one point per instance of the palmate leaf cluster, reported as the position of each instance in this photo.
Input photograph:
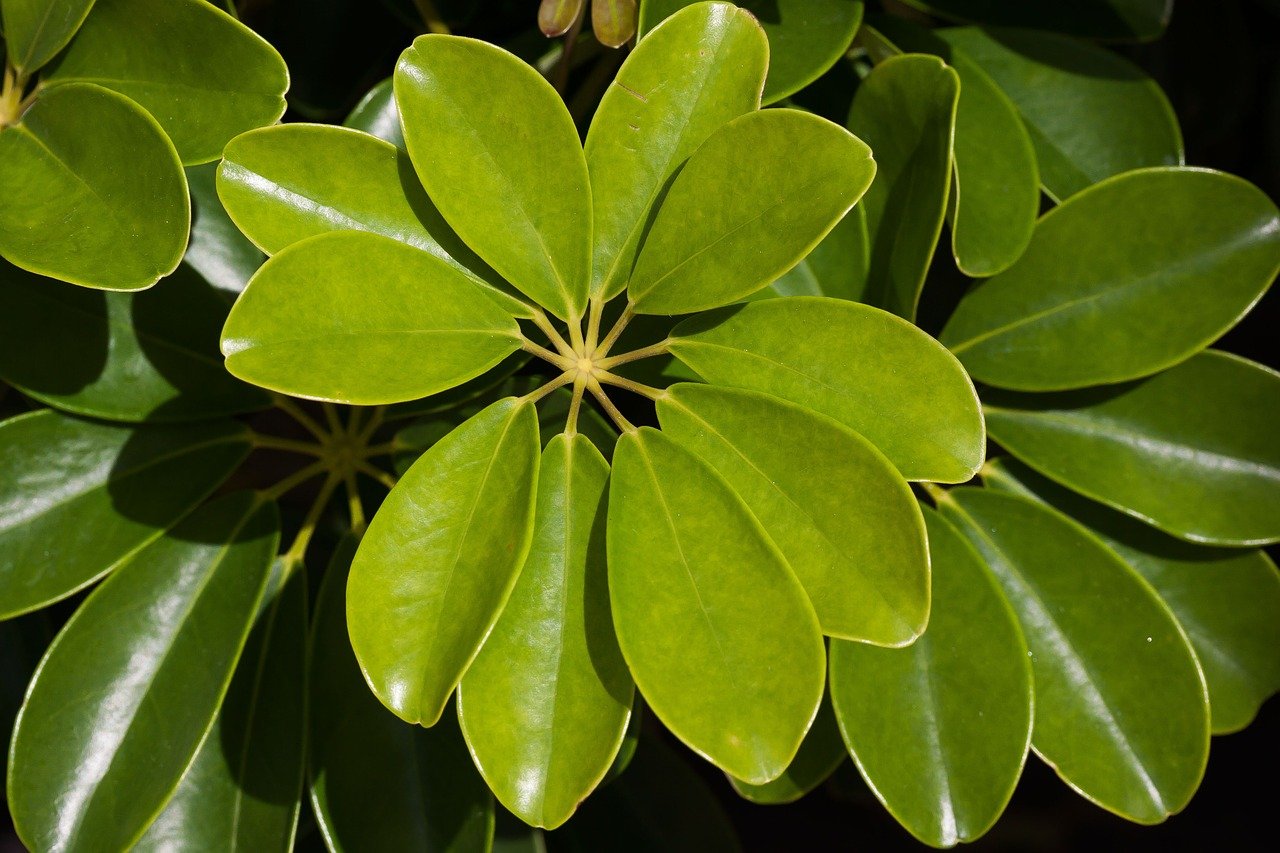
(770, 565)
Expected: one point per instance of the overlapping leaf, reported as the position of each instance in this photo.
(821, 752)
(1104, 19)
(35, 30)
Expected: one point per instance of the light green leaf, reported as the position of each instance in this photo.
(218, 250)
(996, 182)
(845, 360)
(78, 498)
(701, 68)
(497, 151)
(906, 111)
(441, 557)
(806, 37)
(836, 508)
(940, 729)
(546, 701)
(378, 784)
(107, 210)
(1192, 451)
(710, 246)
(719, 635)
(1120, 710)
(820, 754)
(1227, 600)
(1091, 114)
(148, 356)
(131, 685)
(1102, 19)
(241, 793)
(35, 30)
(378, 115)
(203, 75)
(1122, 280)
(364, 319)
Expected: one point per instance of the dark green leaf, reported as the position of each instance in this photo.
(203, 75)
(78, 498)
(820, 754)
(360, 318)
(1129, 277)
(719, 635)
(377, 114)
(218, 250)
(441, 557)
(108, 211)
(1121, 711)
(131, 685)
(845, 360)
(940, 729)
(837, 266)
(1103, 19)
(35, 30)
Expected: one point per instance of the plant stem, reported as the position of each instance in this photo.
(561, 79)
(661, 348)
(380, 450)
(935, 492)
(431, 17)
(354, 505)
(635, 387)
(298, 549)
(593, 324)
(376, 473)
(559, 382)
(331, 417)
(571, 422)
(543, 322)
(270, 442)
(560, 361)
(596, 391)
(294, 480)
(375, 421)
(293, 410)
(615, 333)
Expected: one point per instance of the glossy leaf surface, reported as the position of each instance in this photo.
(546, 701)
(1227, 600)
(906, 111)
(719, 635)
(837, 509)
(440, 559)
(242, 790)
(940, 729)
(148, 356)
(378, 115)
(1122, 280)
(1193, 450)
(1117, 118)
(843, 360)
(820, 754)
(35, 30)
(410, 324)
(1103, 19)
(78, 498)
(498, 153)
(131, 685)
(702, 67)
(710, 246)
(806, 37)
(218, 251)
(107, 210)
(378, 784)
(1121, 710)
(837, 266)
(203, 75)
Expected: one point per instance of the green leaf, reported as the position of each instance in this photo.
(131, 685)
(22, 643)
(1122, 280)
(701, 68)
(35, 30)
(364, 319)
(286, 183)
(378, 115)
(108, 211)
(940, 729)
(837, 266)
(820, 754)
(1102, 19)
(1192, 451)
(1091, 114)
(719, 635)
(845, 360)
(1120, 707)
(441, 557)
(377, 783)
(546, 701)
(203, 75)
(148, 356)
(836, 508)
(996, 182)
(218, 250)
(497, 151)
(242, 790)
(906, 111)
(79, 498)
(1227, 600)
(806, 37)
(709, 246)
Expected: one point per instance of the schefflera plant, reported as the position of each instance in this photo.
(706, 563)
